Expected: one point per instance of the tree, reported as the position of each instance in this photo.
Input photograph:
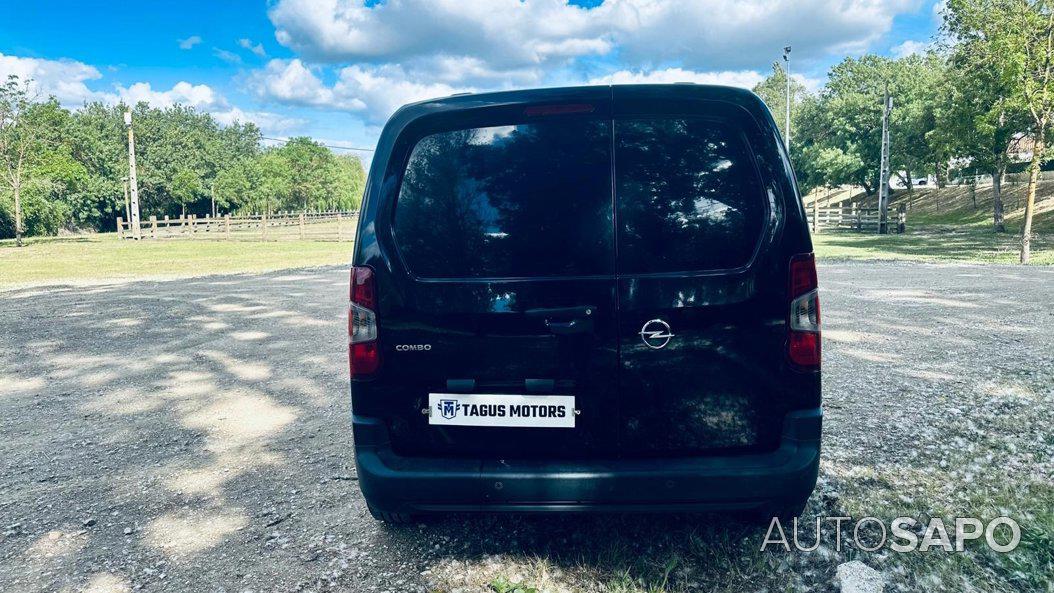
(66, 169)
(311, 171)
(840, 131)
(915, 84)
(1012, 40)
(350, 183)
(975, 120)
(23, 131)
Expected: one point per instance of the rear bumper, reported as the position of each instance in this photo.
(752, 481)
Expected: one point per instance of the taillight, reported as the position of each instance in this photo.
(363, 354)
(803, 342)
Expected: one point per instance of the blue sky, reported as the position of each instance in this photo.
(335, 69)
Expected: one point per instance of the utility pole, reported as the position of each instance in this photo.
(883, 173)
(132, 181)
(787, 74)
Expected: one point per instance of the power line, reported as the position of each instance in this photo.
(337, 146)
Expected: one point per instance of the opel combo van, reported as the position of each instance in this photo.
(584, 299)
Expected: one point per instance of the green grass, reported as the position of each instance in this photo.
(102, 257)
(933, 242)
(955, 227)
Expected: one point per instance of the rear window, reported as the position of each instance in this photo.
(689, 197)
(509, 201)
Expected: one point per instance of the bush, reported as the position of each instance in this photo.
(40, 216)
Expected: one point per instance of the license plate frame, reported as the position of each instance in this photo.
(501, 410)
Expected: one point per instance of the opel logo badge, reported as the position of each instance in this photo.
(656, 334)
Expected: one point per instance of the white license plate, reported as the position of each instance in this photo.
(484, 409)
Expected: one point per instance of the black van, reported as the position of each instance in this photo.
(595, 298)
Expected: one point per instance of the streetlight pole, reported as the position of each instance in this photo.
(132, 181)
(787, 74)
(884, 166)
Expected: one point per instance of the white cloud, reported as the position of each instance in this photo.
(507, 32)
(199, 96)
(227, 56)
(741, 78)
(909, 48)
(384, 89)
(510, 34)
(189, 42)
(269, 123)
(65, 79)
(290, 81)
(257, 49)
(375, 91)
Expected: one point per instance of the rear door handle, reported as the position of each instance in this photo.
(564, 321)
(566, 328)
(576, 312)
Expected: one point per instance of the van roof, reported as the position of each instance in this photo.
(672, 91)
(601, 94)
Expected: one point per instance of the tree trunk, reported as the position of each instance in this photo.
(1030, 193)
(997, 198)
(18, 214)
(911, 182)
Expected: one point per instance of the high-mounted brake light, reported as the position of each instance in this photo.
(536, 110)
(363, 354)
(803, 324)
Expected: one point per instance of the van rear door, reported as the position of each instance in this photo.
(700, 288)
(495, 274)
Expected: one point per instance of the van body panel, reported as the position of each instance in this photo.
(482, 254)
(719, 384)
(492, 221)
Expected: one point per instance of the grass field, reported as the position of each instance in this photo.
(959, 231)
(954, 226)
(102, 257)
(934, 242)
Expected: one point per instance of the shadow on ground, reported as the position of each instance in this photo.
(194, 435)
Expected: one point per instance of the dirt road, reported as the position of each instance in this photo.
(193, 435)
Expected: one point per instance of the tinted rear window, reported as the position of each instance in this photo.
(509, 201)
(689, 197)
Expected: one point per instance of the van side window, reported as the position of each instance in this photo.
(527, 200)
(689, 197)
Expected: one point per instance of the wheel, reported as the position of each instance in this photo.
(390, 518)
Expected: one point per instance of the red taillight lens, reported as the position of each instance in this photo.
(363, 354)
(803, 342)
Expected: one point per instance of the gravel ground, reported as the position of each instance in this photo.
(193, 435)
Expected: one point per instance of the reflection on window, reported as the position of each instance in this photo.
(509, 201)
(688, 196)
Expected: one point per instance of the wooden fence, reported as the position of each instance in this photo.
(857, 219)
(277, 226)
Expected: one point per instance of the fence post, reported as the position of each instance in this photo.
(816, 216)
(227, 226)
(120, 229)
(301, 226)
(153, 226)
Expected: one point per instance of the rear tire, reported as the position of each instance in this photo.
(390, 518)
